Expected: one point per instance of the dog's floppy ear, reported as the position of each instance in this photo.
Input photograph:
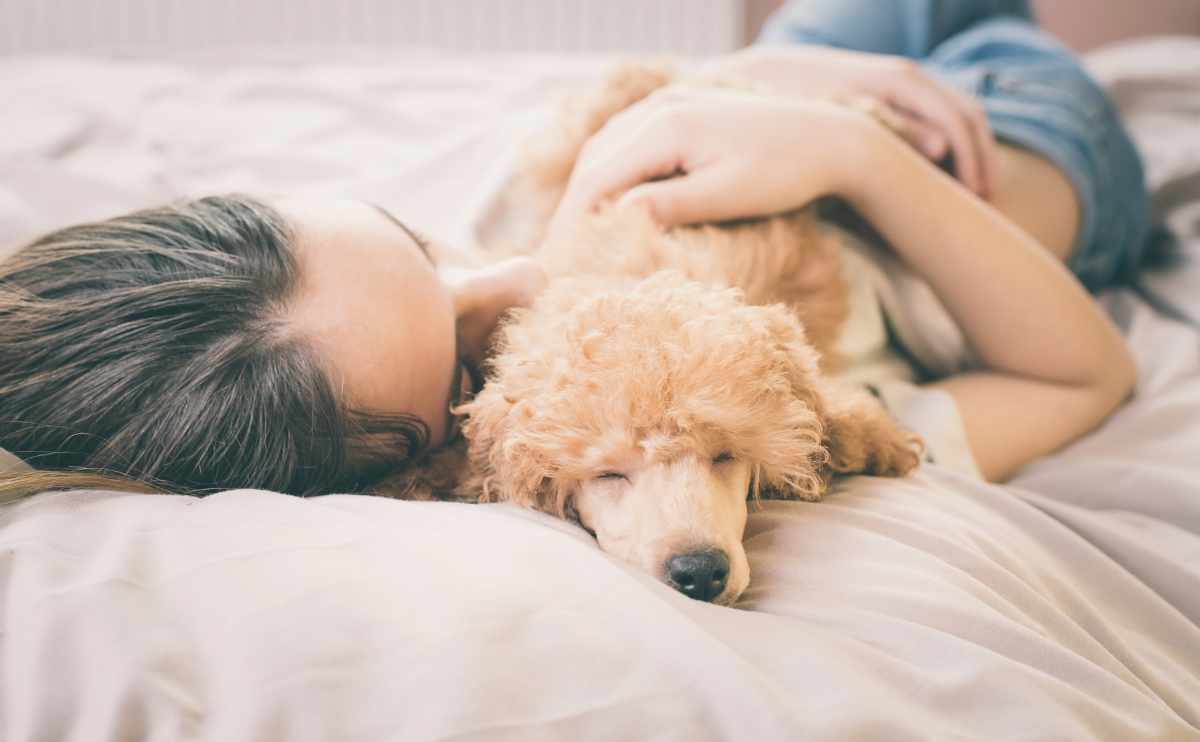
(504, 467)
(856, 433)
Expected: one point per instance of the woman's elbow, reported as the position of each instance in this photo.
(1118, 381)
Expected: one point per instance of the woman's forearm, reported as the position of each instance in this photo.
(1022, 311)
(1052, 365)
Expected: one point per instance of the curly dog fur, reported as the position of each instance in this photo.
(666, 376)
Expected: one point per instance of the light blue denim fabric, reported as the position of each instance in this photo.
(1036, 93)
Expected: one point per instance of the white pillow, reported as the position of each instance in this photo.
(935, 607)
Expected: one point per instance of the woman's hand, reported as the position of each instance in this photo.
(483, 297)
(700, 154)
(934, 118)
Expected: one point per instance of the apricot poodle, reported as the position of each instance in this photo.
(665, 378)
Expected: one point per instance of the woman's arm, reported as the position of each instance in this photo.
(930, 115)
(1053, 366)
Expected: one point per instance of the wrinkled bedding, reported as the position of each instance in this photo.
(1063, 606)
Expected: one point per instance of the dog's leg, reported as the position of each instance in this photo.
(862, 437)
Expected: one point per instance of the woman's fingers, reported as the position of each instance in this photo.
(623, 154)
(702, 196)
(923, 136)
(959, 118)
(931, 105)
(981, 132)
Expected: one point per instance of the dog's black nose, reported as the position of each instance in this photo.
(700, 574)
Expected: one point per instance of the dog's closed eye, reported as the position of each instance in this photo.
(612, 476)
(722, 458)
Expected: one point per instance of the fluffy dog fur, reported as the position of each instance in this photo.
(666, 376)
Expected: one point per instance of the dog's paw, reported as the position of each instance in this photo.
(882, 449)
(863, 438)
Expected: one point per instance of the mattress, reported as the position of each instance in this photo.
(1062, 606)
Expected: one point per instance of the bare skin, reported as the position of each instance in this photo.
(1036, 196)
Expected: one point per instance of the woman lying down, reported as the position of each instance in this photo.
(314, 347)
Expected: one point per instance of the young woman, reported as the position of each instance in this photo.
(314, 347)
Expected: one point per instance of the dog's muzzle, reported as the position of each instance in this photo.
(699, 574)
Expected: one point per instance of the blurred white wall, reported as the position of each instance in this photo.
(674, 26)
(643, 26)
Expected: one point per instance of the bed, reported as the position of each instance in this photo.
(1062, 606)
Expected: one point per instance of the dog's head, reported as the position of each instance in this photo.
(650, 411)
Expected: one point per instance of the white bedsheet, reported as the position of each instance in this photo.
(1064, 606)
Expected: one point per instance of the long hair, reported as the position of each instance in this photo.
(155, 348)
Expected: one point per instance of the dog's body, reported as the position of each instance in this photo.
(666, 376)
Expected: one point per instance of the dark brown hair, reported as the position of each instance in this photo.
(155, 347)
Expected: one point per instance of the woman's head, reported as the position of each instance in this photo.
(300, 347)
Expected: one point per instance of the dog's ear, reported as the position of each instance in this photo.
(856, 434)
(503, 464)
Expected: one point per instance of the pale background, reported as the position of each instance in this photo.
(675, 26)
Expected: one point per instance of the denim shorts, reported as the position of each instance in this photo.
(1036, 93)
